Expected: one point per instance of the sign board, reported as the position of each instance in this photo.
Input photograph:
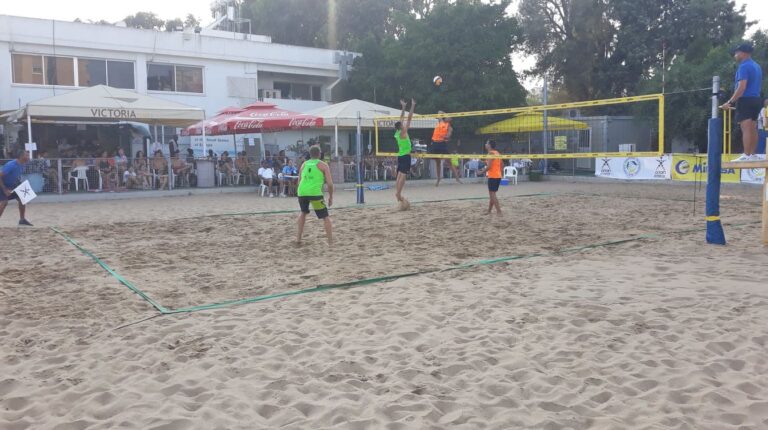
(561, 143)
(633, 168)
(25, 192)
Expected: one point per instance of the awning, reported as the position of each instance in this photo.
(197, 128)
(109, 105)
(344, 114)
(531, 122)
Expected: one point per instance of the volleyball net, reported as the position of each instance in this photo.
(620, 127)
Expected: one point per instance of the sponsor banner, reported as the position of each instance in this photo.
(659, 168)
(219, 144)
(694, 168)
(753, 176)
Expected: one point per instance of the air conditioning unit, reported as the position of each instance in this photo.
(627, 147)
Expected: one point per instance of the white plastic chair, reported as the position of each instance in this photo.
(510, 172)
(80, 174)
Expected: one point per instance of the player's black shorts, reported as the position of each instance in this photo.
(438, 148)
(317, 203)
(404, 163)
(13, 195)
(493, 184)
(748, 108)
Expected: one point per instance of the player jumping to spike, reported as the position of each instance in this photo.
(403, 152)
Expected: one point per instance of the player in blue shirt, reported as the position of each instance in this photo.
(10, 178)
(747, 99)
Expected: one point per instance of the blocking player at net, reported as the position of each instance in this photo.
(403, 151)
(440, 138)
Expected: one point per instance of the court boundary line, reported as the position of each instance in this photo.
(361, 282)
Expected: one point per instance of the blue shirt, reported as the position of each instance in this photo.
(752, 73)
(12, 171)
(291, 171)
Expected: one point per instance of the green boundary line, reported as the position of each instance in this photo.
(117, 276)
(369, 281)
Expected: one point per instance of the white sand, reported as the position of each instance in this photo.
(662, 333)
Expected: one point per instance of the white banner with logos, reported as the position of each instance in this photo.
(753, 176)
(643, 168)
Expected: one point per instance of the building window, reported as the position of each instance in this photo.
(51, 70)
(168, 77)
(296, 91)
(28, 69)
(91, 72)
(284, 88)
(189, 79)
(120, 74)
(60, 71)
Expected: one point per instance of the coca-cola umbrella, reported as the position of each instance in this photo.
(264, 118)
(197, 128)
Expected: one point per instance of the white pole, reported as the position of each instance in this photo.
(336, 136)
(205, 153)
(29, 133)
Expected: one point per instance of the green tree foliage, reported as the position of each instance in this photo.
(606, 48)
(146, 20)
(173, 24)
(467, 43)
(191, 22)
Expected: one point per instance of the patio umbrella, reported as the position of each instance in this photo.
(197, 128)
(264, 118)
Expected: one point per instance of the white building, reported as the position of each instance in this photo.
(211, 69)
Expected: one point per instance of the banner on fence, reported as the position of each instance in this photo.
(634, 167)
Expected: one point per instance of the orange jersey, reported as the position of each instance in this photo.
(494, 166)
(441, 132)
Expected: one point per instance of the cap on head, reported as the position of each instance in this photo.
(745, 47)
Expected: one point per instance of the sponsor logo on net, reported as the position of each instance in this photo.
(632, 167)
(682, 167)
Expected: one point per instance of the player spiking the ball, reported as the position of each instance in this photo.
(403, 152)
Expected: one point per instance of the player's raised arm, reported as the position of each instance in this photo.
(407, 125)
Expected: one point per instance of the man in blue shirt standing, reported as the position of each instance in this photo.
(747, 99)
(10, 178)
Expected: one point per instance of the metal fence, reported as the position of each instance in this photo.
(83, 175)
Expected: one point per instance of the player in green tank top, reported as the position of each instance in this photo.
(313, 174)
(403, 153)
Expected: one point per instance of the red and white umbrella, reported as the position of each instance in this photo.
(197, 128)
(264, 118)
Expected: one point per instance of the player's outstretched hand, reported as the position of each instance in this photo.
(403, 103)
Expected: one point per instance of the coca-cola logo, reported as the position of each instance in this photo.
(276, 114)
(247, 125)
(302, 122)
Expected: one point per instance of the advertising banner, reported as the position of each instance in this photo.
(694, 168)
(644, 168)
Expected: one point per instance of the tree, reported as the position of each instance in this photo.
(606, 48)
(173, 24)
(468, 43)
(146, 20)
(191, 21)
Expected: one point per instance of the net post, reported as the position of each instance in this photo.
(661, 124)
(715, 233)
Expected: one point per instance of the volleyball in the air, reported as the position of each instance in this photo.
(437, 80)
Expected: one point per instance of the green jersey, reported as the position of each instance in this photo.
(311, 179)
(403, 145)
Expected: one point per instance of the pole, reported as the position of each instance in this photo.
(205, 153)
(545, 137)
(336, 136)
(29, 133)
(715, 234)
(360, 194)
